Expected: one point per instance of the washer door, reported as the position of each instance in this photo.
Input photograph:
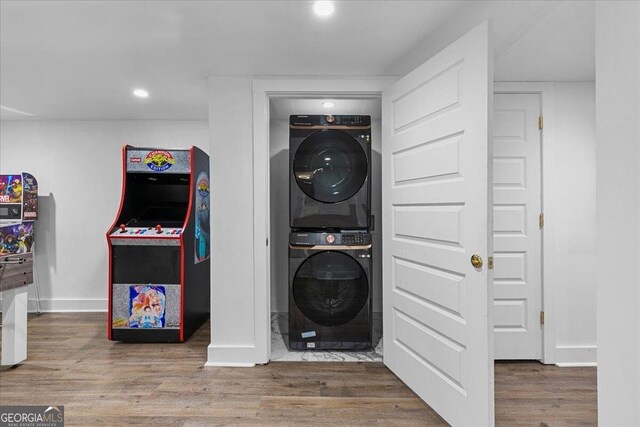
(330, 166)
(330, 288)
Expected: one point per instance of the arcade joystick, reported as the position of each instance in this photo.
(123, 228)
(158, 229)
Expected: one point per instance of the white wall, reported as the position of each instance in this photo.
(79, 170)
(570, 221)
(279, 213)
(618, 211)
(233, 311)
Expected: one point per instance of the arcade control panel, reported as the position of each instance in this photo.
(146, 232)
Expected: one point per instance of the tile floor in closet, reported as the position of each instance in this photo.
(281, 353)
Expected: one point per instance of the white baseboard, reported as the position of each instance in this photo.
(228, 365)
(231, 356)
(577, 356)
(68, 305)
(577, 365)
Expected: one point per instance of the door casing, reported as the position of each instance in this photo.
(263, 91)
(547, 106)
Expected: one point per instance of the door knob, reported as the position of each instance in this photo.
(476, 261)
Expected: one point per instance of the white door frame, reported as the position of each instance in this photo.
(546, 92)
(263, 91)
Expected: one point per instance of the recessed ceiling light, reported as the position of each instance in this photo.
(328, 104)
(141, 93)
(323, 8)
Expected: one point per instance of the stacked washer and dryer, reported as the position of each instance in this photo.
(330, 262)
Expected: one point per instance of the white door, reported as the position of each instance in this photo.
(438, 335)
(517, 236)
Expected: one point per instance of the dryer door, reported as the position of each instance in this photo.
(330, 166)
(330, 288)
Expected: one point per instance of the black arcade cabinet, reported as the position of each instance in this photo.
(159, 247)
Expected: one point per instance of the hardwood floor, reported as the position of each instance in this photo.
(71, 363)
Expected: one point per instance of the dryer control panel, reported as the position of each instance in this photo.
(330, 239)
(330, 120)
(356, 239)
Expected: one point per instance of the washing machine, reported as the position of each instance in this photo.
(330, 288)
(329, 172)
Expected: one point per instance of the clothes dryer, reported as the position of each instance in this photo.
(329, 172)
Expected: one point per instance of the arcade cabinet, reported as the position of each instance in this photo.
(18, 211)
(159, 248)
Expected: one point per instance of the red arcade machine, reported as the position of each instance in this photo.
(159, 267)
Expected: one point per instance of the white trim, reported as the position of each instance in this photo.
(263, 90)
(574, 356)
(577, 365)
(68, 305)
(547, 99)
(261, 250)
(232, 355)
(229, 365)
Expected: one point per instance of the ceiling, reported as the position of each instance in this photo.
(80, 60)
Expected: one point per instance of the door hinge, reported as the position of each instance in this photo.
(542, 317)
(490, 263)
(267, 241)
(541, 220)
(540, 122)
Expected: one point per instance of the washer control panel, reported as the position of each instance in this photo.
(330, 239)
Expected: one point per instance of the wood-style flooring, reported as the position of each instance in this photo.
(71, 363)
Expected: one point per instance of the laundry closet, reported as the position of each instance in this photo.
(325, 269)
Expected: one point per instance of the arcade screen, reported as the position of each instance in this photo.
(156, 199)
(165, 214)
